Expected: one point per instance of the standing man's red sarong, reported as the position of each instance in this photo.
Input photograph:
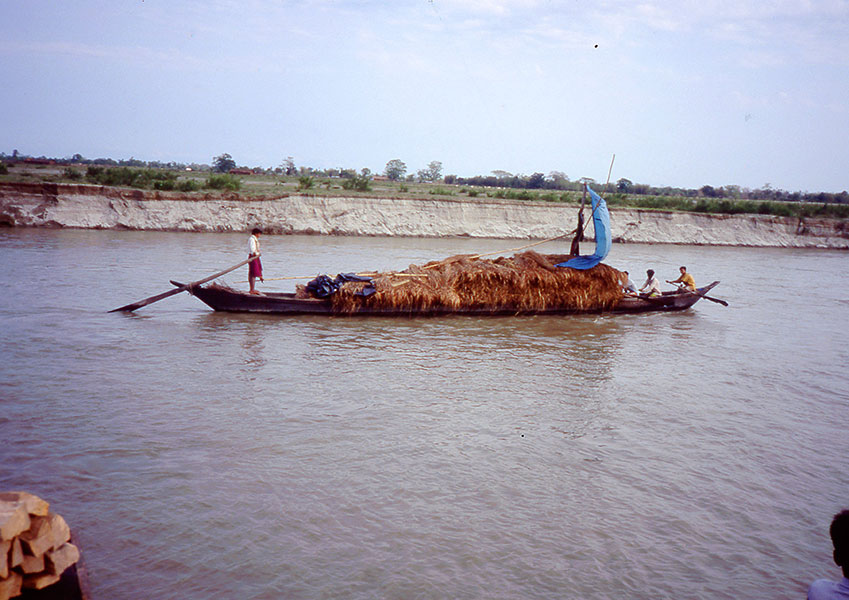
(255, 268)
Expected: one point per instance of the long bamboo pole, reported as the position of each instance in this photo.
(158, 297)
(609, 171)
(366, 274)
(473, 257)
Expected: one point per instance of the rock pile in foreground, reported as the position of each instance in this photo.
(35, 547)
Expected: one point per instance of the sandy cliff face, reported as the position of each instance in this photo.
(96, 207)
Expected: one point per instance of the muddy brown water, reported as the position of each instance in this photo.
(206, 455)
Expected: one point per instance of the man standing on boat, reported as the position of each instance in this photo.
(651, 287)
(686, 280)
(255, 266)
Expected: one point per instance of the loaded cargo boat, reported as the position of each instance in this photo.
(226, 299)
(525, 283)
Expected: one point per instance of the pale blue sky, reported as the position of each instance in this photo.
(686, 94)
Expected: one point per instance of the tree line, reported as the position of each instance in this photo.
(396, 171)
(558, 181)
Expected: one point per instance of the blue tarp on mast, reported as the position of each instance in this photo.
(601, 224)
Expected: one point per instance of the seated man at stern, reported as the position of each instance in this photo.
(826, 589)
(686, 280)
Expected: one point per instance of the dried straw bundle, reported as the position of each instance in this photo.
(526, 282)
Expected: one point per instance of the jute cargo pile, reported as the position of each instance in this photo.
(525, 282)
(35, 546)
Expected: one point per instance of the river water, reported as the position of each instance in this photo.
(206, 455)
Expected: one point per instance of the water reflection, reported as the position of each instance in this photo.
(585, 345)
(482, 368)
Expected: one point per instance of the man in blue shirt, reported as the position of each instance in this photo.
(825, 589)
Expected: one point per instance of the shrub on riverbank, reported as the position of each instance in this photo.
(306, 182)
(223, 181)
(359, 183)
(157, 179)
(730, 207)
(125, 176)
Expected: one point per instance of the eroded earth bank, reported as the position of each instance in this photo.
(97, 207)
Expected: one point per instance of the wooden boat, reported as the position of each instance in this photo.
(225, 299)
(523, 284)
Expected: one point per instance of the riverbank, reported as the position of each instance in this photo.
(97, 207)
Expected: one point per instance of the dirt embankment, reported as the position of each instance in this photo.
(97, 207)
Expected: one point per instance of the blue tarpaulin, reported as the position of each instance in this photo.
(601, 223)
(322, 286)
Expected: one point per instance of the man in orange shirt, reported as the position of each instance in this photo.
(686, 280)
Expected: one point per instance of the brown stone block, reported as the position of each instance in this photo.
(10, 586)
(33, 504)
(39, 581)
(60, 559)
(5, 549)
(32, 564)
(14, 520)
(61, 531)
(38, 539)
(16, 554)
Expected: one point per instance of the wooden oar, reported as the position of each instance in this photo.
(717, 300)
(158, 297)
(697, 293)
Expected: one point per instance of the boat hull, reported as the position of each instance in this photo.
(228, 300)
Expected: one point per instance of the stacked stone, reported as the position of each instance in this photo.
(35, 546)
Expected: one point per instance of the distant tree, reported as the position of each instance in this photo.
(559, 178)
(624, 185)
(432, 173)
(223, 163)
(435, 168)
(708, 191)
(502, 174)
(288, 166)
(733, 191)
(536, 181)
(395, 169)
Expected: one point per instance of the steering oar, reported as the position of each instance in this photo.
(681, 288)
(182, 288)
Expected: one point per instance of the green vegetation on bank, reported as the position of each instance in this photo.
(154, 179)
(537, 188)
(730, 206)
